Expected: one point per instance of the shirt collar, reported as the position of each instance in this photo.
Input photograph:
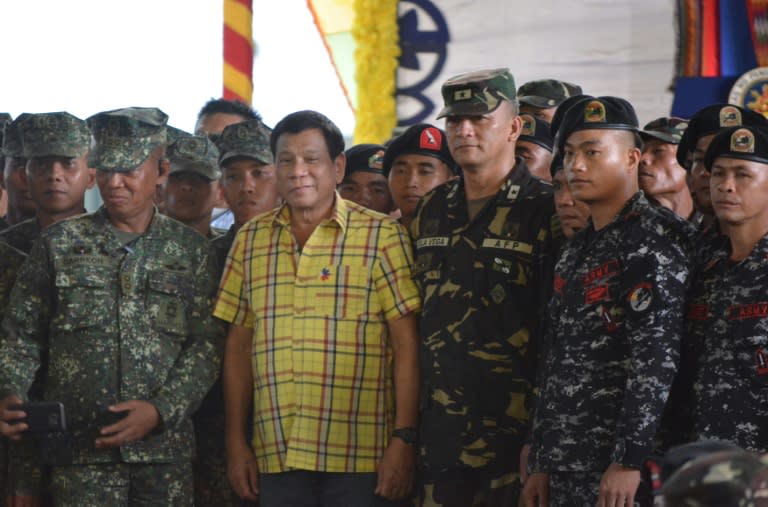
(339, 213)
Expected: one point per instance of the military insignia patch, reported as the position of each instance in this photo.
(465, 94)
(513, 192)
(594, 112)
(730, 117)
(431, 139)
(641, 297)
(743, 141)
(376, 161)
(529, 125)
(498, 294)
(761, 361)
(750, 91)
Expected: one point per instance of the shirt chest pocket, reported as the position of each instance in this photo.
(84, 298)
(166, 296)
(342, 292)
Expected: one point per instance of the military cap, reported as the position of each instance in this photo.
(546, 93)
(557, 162)
(536, 131)
(364, 157)
(196, 154)
(557, 119)
(477, 93)
(668, 129)
(605, 113)
(245, 139)
(726, 478)
(711, 119)
(54, 135)
(12, 146)
(124, 138)
(745, 143)
(421, 139)
(174, 134)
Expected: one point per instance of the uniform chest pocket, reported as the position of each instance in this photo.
(84, 298)
(342, 291)
(166, 296)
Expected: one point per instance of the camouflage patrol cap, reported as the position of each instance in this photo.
(12, 146)
(173, 134)
(726, 478)
(477, 93)
(710, 120)
(602, 113)
(124, 138)
(536, 131)
(245, 139)
(546, 93)
(745, 143)
(196, 154)
(668, 129)
(365, 158)
(54, 135)
(421, 139)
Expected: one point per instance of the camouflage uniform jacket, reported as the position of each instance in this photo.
(22, 235)
(483, 283)
(613, 338)
(726, 332)
(10, 262)
(114, 323)
(221, 245)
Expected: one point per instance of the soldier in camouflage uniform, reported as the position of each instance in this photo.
(55, 147)
(20, 205)
(248, 183)
(726, 326)
(192, 188)
(694, 142)
(543, 97)
(484, 258)
(615, 320)
(248, 177)
(535, 146)
(116, 305)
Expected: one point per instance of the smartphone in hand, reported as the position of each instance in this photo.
(43, 416)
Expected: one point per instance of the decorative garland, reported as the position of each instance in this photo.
(376, 60)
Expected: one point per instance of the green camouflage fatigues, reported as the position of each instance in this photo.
(212, 486)
(115, 323)
(615, 321)
(22, 235)
(483, 283)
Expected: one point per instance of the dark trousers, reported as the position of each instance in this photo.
(302, 488)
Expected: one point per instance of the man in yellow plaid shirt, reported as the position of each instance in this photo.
(322, 341)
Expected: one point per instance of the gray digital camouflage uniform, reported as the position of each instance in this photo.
(613, 339)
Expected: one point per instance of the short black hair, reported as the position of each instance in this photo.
(225, 106)
(300, 121)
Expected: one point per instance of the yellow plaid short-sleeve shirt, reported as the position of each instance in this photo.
(321, 357)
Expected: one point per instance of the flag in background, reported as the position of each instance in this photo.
(238, 50)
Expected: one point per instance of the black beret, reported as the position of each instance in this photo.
(746, 143)
(711, 119)
(605, 113)
(536, 131)
(364, 157)
(557, 119)
(421, 139)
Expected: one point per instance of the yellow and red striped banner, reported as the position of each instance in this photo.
(238, 50)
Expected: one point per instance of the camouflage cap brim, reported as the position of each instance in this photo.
(260, 158)
(190, 166)
(661, 136)
(467, 109)
(122, 156)
(64, 150)
(539, 102)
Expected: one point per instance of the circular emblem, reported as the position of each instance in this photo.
(641, 297)
(750, 91)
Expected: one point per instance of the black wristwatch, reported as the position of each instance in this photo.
(407, 435)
